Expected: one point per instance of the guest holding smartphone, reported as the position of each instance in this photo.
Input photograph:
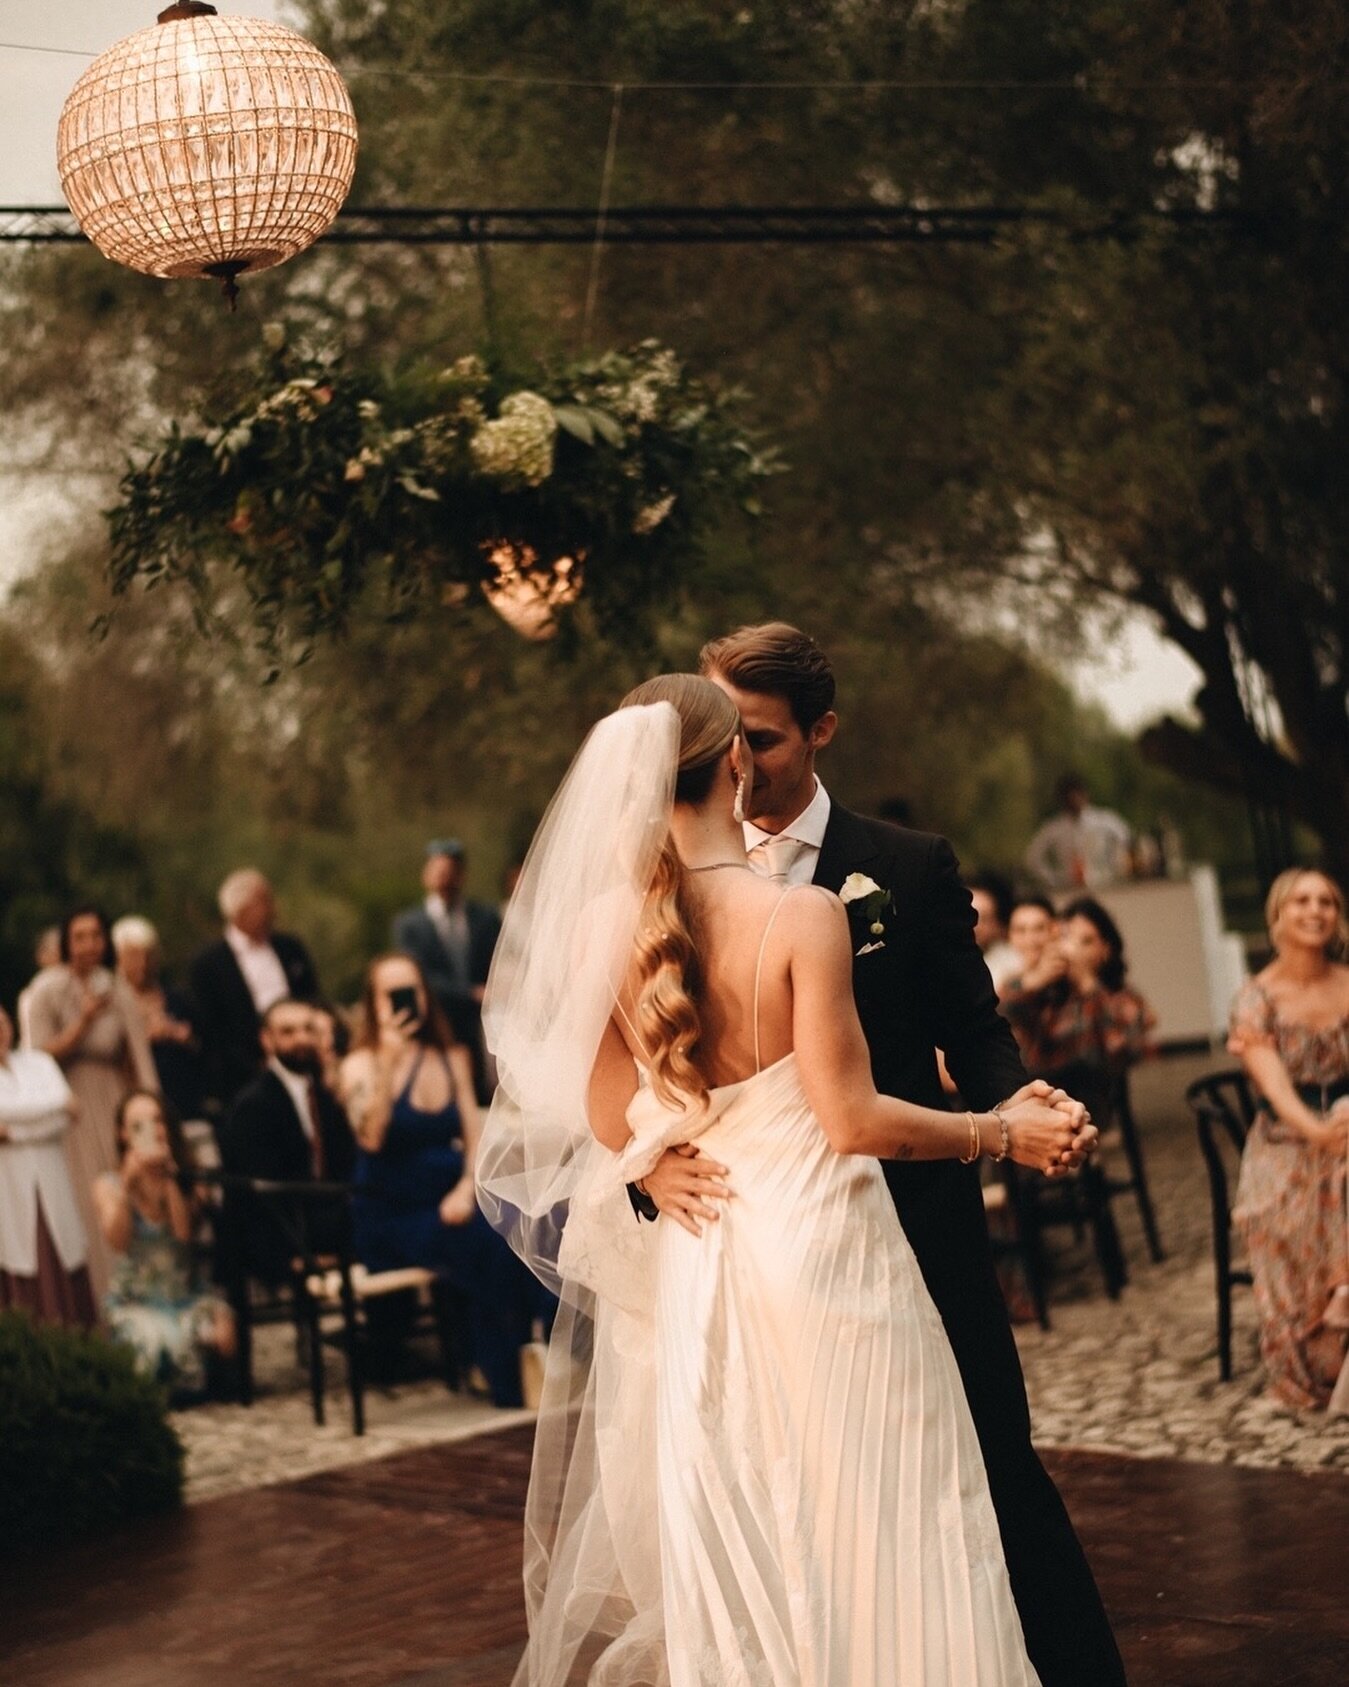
(146, 1220)
(409, 1093)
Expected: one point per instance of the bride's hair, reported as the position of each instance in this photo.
(667, 960)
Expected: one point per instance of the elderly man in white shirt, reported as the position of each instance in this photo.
(1081, 847)
(237, 979)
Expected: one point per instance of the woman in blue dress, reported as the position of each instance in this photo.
(408, 1090)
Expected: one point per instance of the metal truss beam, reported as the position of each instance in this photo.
(665, 225)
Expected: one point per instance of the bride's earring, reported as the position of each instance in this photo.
(738, 812)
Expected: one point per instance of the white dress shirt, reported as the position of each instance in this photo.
(261, 966)
(301, 1092)
(806, 831)
(452, 929)
(1080, 851)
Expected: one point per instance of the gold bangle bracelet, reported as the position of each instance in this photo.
(975, 1146)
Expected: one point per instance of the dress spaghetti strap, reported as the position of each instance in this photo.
(758, 968)
(623, 1015)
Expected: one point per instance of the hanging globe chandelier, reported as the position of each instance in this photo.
(207, 146)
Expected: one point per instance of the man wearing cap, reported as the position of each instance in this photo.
(452, 939)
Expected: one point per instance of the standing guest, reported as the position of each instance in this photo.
(152, 1305)
(166, 1016)
(43, 1249)
(408, 1087)
(287, 1127)
(1075, 1015)
(46, 953)
(88, 1021)
(1290, 1026)
(1081, 847)
(239, 977)
(452, 939)
(992, 899)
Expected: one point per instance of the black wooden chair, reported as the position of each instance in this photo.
(1224, 1109)
(1136, 1184)
(1081, 1203)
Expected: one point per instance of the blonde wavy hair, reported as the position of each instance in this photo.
(1284, 886)
(668, 981)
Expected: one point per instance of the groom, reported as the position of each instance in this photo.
(920, 985)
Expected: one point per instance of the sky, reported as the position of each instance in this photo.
(1134, 673)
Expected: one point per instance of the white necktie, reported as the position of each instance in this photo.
(776, 857)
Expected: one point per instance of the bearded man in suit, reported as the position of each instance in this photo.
(921, 985)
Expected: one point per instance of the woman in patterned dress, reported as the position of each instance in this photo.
(1290, 1025)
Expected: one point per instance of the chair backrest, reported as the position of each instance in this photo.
(1224, 1108)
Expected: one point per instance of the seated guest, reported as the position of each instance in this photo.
(1290, 1026)
(42, 1240)
(992, 899)
(84, 1016)
(409, 1089)
(236, 979)
(166, 1015)
(286, 1127)
(152, 1306)
(1076, 1019)
(1032, 933)
(334, 1041)
(452, 939)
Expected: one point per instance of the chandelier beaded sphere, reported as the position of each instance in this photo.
(207, 146)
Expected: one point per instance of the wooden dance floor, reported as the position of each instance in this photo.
(405, 1573)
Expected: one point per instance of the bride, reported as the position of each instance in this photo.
(754, 1464)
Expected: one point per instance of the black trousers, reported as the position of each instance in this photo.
(1067, 1632)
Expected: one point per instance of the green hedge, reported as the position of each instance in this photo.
(85, 1442)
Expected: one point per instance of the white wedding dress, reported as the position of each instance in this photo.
(824, 1514)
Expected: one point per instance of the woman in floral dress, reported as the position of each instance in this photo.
(1290, 1025)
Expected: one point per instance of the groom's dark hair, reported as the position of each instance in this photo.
(776, 660)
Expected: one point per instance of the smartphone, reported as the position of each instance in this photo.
(147, 1139)
(403, 1001)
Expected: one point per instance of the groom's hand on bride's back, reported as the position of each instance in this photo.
(683, 1184)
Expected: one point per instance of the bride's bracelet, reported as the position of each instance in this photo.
(975, 1147)
(1004, 1135)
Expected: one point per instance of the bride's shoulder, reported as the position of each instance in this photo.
(809, 910)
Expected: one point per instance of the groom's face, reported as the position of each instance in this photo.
(784, 756)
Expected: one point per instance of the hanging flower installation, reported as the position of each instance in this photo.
(207, 146)
(328, 490)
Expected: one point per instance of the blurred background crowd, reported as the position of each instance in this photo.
(162, 1137)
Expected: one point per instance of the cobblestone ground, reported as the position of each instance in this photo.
(1139, 1376)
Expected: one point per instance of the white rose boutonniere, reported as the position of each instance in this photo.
(871, 902)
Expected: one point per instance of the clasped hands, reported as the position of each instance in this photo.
(687, 1186)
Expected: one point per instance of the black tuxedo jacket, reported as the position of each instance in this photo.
(226, 1019)
(928, 988)
(262, 1137)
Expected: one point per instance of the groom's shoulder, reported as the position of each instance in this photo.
(904, 845)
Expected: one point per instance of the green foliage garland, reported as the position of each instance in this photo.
(326, 488)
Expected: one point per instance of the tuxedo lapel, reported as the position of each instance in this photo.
(847, 848)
